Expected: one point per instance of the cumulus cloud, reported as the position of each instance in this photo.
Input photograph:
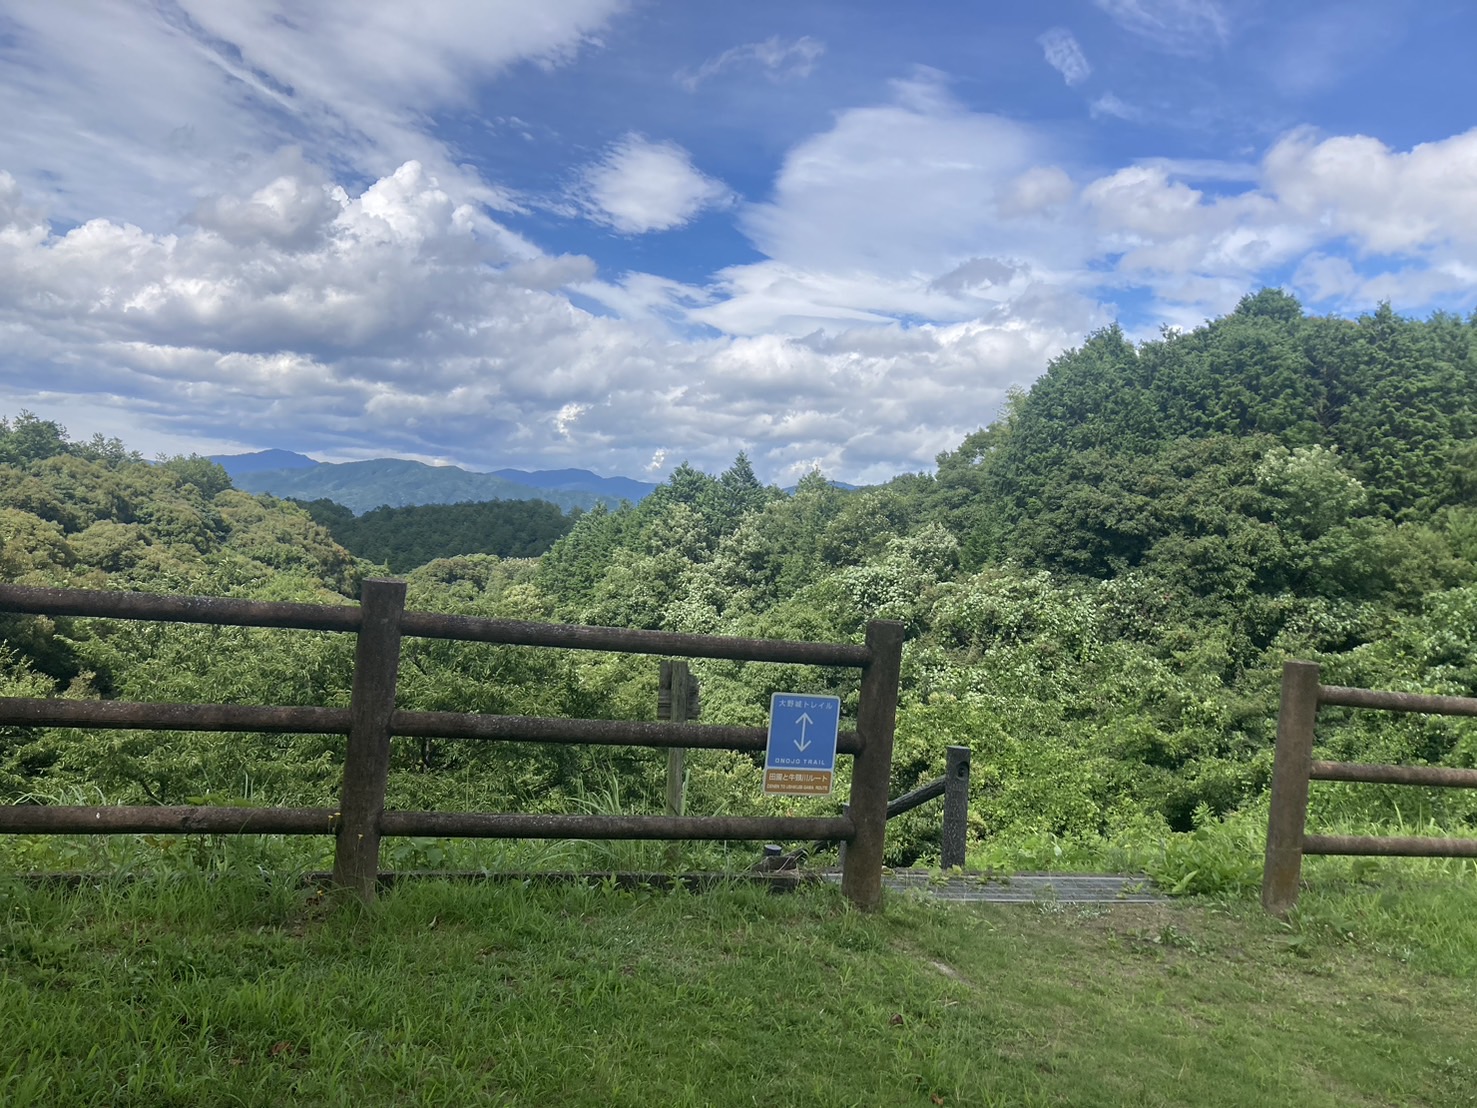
(899, 300)
(403, 290)
(871, 220)
(920, 209)
(916, 258)
(640, 186)
(1384, 200)
(291, 206)
(1308, 191)
(1065, 56)
(776, 58)
(1187, 27)
(405, 324)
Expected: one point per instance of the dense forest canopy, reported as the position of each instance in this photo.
(403, 538)
(1099, 590)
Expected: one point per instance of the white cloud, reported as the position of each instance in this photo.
(912, 210)
(1065, 56)
(567, 417)
(776, 58)
(977, 273)
(1205, 169)
(353, 290)
(1036, 191)
(900, 187)
(640, 186)
(1187, 27)
(135, 111)
(1324, 278)
(920, 209)
(403, 325)
(1385, 201)
(1144, 203)
(1310, 196)
(1112, 106)
(921, 260)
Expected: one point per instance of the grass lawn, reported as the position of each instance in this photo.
(238, 991)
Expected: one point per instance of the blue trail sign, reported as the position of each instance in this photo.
(800, 759)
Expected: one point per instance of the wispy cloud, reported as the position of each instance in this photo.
(1187, 27)
(1110, 105)
(776, 58)
(1065, 56)
(136, 110)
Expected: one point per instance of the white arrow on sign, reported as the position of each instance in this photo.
(802, 743)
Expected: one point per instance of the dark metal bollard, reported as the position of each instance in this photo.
(956, 807)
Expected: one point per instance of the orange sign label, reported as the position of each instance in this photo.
(797, 782)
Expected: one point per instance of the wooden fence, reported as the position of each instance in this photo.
(360, 820)
(1294, 767)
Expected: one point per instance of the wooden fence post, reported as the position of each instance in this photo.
(367, 756)
(674, 704)
(1291, 767)
(956, 807)
(871, 777)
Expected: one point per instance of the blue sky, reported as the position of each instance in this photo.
(626, 234)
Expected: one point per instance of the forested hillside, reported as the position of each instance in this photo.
(399, 482)
(403, 538)
(1099, 590)
(1100, 587)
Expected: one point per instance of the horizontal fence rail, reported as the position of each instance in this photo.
(189, 820)
(1389, 847)
(1344, 697)
(917, 798)
(119, 715)
(431, 625)
(221, 611)
(380, 622)
(56, 819)
(1436, 776)
(1294, 767)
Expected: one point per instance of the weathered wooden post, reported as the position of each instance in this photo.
(956, 807)
(1291, 767)
(871, 777)
(675, 696)
(367, 757)
(676, 701)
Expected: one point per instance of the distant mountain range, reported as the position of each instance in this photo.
(396, 482)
